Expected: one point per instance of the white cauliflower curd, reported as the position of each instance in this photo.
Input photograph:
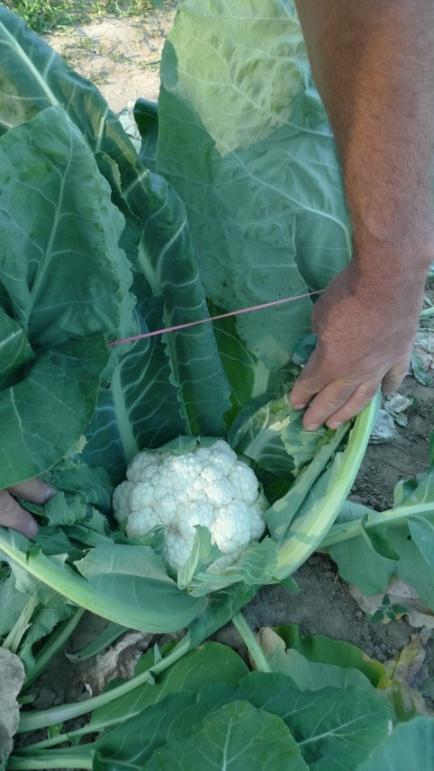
(206, 486)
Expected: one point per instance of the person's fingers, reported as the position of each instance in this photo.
(355, 404)
(393, 379)
(33, 490)
(12, 515)
(328, 401)
(308, 383)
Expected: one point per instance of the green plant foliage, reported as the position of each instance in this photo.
(410, 745)
(244, 139)
(132, 241)
(45, 15)
(373, 547)
(206, 711)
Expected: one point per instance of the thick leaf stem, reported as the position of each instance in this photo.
(306, 535)
(44, 760)
(54, 644)
(15, 636)
(390, 518)
(64, 580)
(33, 721)
(248, 637)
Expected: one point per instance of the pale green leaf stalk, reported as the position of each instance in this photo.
(251, 643)
(310, 529)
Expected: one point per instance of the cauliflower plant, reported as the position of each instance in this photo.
(206, 486)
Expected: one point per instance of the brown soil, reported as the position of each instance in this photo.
(120, 55)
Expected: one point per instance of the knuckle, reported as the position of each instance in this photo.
(365, 393)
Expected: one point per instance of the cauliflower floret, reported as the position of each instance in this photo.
(185, 469)
(177, 549)
(218, 488)
(166, 509)
(257, 524)
(121, 501)
(141, 522)
(142, 495)
(206, 486)
(231, 528)
(192, 514)
(144, 466)
(244, 481)
(222, 456)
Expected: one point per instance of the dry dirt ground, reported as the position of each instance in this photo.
(122, 56)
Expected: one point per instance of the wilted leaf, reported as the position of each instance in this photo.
(11, 679)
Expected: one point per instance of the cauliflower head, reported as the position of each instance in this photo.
(206, 486)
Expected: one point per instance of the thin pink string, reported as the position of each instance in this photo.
(210, 319)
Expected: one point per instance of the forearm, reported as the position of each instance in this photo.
(373, 63)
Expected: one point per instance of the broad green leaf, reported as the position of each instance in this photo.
(305, 672)
(12, 602)
(59, 227)
(11, 680)
(322, 649)
(137, 576)
(411, 566)
(43, 622)
(417, 492)
(371, 547)
(58, 224)
(335, 728)
(173, 717)
(422, 533)
(256, 566)
(244, 140)
(249, 377)
(308, 485)
(111, 558)
(132, 743)
(308, 675)
(126, 597)
(272, 435)
(158, 390)
(45, 413)
(74, 476)
(313, 676)
(411, 745)
(361, 564)
(15, 349)
(237, 736)
(54, 540)
(220, 609)
(213, 663)
(65, 509)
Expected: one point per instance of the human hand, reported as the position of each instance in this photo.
(13, 515)
(365, 334)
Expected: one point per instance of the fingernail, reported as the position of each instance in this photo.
(31, 529)
(49, 492)
(299, 406)
(313, 427)
(334, 425)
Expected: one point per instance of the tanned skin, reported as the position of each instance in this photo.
(373, 62)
